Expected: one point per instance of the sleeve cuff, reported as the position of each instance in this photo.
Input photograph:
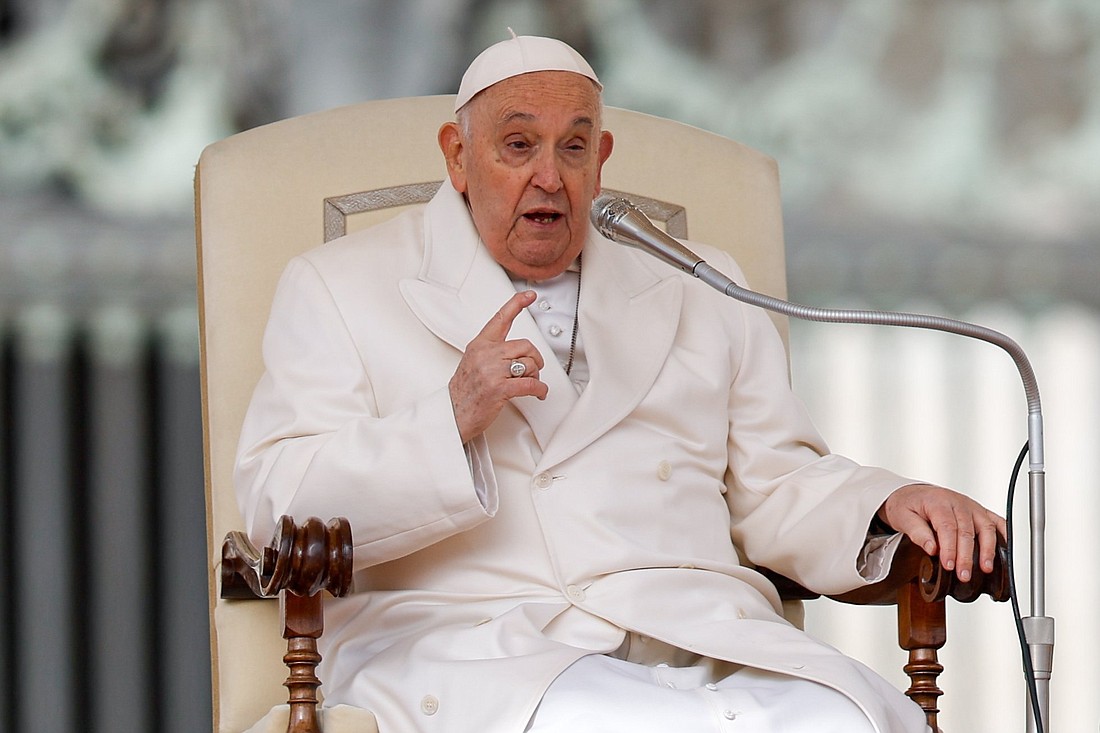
(877, 555)
(481, 471)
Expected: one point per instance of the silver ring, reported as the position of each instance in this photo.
(517, 369)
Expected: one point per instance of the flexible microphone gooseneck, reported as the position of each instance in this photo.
(620, 221)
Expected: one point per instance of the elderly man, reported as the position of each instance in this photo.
(551, 450)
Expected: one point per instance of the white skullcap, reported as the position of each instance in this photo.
(519, 55)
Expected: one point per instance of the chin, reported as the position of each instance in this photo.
(543, 260)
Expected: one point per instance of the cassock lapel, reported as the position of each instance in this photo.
(629, 313)
(458, 290)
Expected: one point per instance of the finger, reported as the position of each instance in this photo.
(535, 354)
(921, 534)
(991, 527)
(911, 524)
(929, 520)
(964, 550)
(522, 349)
(987, 546)
(498, 326)
(947, 536)
(526, 386)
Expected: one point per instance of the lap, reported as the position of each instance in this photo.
(601, 694)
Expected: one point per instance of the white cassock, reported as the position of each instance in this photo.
(635, 506)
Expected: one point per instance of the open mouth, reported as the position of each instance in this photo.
(542, 217)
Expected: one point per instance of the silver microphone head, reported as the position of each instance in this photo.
(623, 222)
(607, 211)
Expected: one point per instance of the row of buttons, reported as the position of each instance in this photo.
(728, 714)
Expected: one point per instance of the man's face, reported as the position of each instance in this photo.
(530, 168)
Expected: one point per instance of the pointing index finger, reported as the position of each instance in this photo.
(498, 326)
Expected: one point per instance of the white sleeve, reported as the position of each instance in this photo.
(795, 507)
(313, 443)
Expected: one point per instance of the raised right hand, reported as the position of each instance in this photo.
(483, 381)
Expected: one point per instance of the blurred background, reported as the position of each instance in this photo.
(936, 155)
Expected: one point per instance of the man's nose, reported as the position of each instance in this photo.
(547, 174)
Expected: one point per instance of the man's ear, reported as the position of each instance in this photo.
(450, 143)
(607, 144)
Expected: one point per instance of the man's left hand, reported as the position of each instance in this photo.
(946, 523)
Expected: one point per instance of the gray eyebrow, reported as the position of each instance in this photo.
(526, 116)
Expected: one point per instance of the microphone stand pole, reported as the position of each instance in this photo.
(619, 220)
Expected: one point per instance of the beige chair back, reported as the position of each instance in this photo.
(265, 195)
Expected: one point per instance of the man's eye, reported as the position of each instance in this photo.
(518, 145)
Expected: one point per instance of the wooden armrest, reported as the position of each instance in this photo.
(919, 586)
(298, 563)
(913, 565)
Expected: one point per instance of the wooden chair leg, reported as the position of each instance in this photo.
(303, 623)
(922, 630)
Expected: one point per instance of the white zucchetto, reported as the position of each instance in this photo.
(519, 55)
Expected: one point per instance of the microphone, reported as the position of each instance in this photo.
(619, 220)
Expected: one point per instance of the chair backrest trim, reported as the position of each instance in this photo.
(339, 208)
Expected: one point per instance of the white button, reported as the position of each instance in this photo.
(544, 305)
(483, 621)
(741, 613)
(575, 593)
(555, 329)
(711, 686)
(729, 714)
(429, 705)
(798, 666)
(664, 470)
(543, 481)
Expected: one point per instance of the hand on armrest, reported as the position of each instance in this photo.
(911, 563)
